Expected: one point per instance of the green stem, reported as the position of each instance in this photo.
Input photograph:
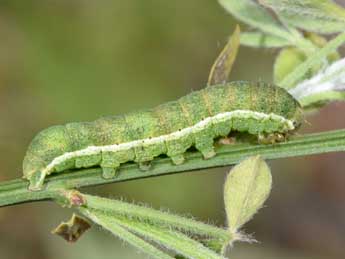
(15, 191)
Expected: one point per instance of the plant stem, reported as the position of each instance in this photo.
(15, 191)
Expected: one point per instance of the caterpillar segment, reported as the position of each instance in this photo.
(171, 128)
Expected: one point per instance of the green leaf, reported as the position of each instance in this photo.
(285, 63)
(173, 240)
(254, 15)
(315, 59)
(121, 232)
(320, 42)
(327, 85)
(165, 237)
(247, 187)
(222, 67)
(320, 99)
(157, 217)
(321, 16)
(261, 40)
(289, 58)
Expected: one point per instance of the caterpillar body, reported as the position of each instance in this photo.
(171, 128)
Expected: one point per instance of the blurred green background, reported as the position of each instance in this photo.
(63, 61)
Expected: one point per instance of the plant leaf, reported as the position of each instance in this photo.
(222, 67)
(289, 58)
(254, 15)
(318, 100)
(121, 232)
(321, 16)
(316, 58)
(246, 188)
(171, 239)
(286, 61)
(157, 217)
(327, 85)
(320, 42)
(261, 40)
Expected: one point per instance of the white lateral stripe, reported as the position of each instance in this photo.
(221, 117)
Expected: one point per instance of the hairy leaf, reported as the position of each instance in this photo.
(117, 230)
(254, 15)
(246, 189)
(165, 237)
(316, 58)
(321, 16)
(261, 40)
(327, 85)
(286, 61)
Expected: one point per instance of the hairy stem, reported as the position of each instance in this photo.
(15, 191)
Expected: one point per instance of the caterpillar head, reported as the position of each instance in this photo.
(298, 117)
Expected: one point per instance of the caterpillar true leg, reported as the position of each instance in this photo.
(271, 138)
(227, 140)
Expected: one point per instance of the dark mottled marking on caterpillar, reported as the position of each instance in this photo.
(171, 128)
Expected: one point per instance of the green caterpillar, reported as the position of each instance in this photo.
(171, 128)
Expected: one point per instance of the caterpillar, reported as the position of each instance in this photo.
(171, 128)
